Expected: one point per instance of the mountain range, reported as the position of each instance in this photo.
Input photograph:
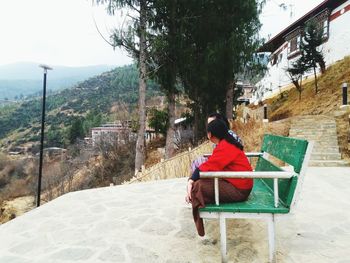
(19, 80)
(20, 122)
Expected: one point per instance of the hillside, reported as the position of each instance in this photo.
(21, 123)
(19, 80)
(326, 101)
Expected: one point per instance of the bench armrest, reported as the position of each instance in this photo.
(221, 174)
(248, 154)
(254, 154)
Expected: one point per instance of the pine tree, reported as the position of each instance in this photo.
(310, 49)
(296, 72)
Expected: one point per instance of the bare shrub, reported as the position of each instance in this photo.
(51, 182)
(253, 131)
(16, 188)
(3, 161)
(4, 179)
(116, 161)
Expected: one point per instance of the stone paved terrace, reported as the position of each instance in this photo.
(150, 222)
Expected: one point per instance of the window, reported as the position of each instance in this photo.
(322, 20)
(294, 45)
(324, 29)
(293, 39)
(273, 59)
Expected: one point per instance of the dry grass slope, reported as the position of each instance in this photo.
(326, 101)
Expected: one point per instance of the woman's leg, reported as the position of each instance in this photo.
(203, 193)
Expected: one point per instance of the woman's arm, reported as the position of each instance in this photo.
(188, 197)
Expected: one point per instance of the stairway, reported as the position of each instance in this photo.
(323, 131)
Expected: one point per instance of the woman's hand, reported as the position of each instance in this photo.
(188, 197)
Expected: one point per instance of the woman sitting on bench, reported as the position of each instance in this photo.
(228, 155)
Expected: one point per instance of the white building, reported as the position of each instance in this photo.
(111, 133)
(333, 16)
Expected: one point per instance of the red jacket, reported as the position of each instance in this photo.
(227, 157)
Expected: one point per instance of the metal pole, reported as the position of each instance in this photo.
(345, 93)
(42, 135)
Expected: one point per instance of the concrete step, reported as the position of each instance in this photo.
(325, 156)
(325, 144)
(325, 149)
(322, 130)
(332, 142)
(319, 135)
(315, 126)
(328, 163)
(312, 131)
(316, 137)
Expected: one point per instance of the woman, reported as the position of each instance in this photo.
(201, 159)
(228, 155)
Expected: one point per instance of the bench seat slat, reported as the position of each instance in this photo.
(261, 200)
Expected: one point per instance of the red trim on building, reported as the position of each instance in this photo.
(274, 43)
(338, 13)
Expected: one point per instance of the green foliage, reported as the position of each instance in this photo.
(312, 39)
(310, 56)
(55, 137)
(218, 39)
(309, 47)
(90, 101)
(296, 72)
(158, 120)
(76, 130)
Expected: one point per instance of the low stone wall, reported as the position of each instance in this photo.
(175, 167)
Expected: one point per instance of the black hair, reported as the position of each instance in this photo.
(219, 116)
(219, 129)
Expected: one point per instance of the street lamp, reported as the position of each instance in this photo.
(46, 68)
(265, 114)
(345, 93)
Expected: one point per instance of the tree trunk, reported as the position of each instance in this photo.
(300, 87)
(196, 124)
(140, 143)
(316, 85)
(322, 66)
(297, 86)
(229, 100)
(170, 135)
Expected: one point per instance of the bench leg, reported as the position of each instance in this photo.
(271, 230)
(223, 238)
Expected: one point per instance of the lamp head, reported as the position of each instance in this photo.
(45, 67)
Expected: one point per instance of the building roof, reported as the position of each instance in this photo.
(275, 42)
(177, 121)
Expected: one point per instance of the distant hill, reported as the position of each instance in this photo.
(22, 79)
(20, 123)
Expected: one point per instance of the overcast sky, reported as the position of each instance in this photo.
(62, 32)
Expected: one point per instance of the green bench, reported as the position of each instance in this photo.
(276, 188)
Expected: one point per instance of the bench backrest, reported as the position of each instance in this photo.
(289, 150)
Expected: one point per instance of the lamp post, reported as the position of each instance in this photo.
(345, 93)
(46, 68)
(265, 114)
